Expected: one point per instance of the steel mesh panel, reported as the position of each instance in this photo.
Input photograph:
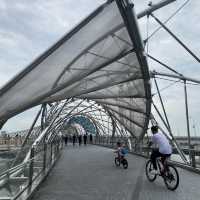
(96, 60)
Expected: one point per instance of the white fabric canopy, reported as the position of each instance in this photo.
(100, 59)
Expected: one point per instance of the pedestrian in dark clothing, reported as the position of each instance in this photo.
(66, 139)
(91, 139)
(74, 139)
(80, 140)
(85, 139)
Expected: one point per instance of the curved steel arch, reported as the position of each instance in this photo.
(105, 62)
(85, 116)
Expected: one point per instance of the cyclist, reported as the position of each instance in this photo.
(164, 148)
(121, 151)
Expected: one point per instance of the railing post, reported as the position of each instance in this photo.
(112, 141)
(31, 166)
(193, 160)
(44, 156)
(187, 120)
(8, 173)
(135, 146)
(94, 139)
(51, 150)
(61, 144)
(58, 144)
(8, 144)
(56, 148)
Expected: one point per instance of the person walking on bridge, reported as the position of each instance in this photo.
(74, 139)
(85, 139)
(80, 139)
(66, 139)
(91, 138)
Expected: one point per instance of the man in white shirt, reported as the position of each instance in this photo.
(164, 148)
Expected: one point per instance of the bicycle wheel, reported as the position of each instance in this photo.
(149, 167)
(171, 177)
(117, 162)
(125, 163)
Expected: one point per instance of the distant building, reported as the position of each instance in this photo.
(3, 133)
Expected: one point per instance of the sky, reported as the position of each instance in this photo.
(28, 28)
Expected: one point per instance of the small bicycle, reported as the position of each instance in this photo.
(167, 171)
(121, 160)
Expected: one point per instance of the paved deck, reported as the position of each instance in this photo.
(88, 173)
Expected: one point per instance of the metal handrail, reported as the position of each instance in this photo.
(47, 157)
(14, 169)
(144, 151)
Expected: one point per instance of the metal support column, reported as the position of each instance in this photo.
(51, 152)
(113, 124)
(167, 125)
(161, 101)
(187, 121)
(43, 116)
(44, 155)
(31, 166)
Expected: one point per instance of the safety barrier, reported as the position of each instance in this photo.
(24, 178)
(140, 148)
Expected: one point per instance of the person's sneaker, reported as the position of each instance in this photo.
(155, 172)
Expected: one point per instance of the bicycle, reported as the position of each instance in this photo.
(166, 170)
(121, 160)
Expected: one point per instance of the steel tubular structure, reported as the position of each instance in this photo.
(97, 93)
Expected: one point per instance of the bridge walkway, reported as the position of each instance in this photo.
(89, 173)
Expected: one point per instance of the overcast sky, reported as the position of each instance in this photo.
(28, 28)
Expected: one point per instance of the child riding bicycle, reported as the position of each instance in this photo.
(121, 150)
